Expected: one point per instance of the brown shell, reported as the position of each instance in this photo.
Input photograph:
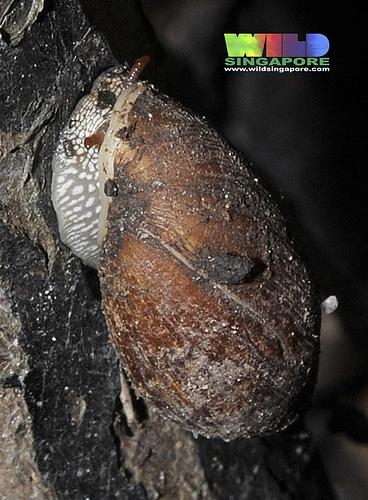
(207, 301)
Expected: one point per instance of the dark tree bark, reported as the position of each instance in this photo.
(63, 428)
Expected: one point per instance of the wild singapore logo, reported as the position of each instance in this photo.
(281, 52)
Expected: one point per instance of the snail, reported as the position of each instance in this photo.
(208, 302)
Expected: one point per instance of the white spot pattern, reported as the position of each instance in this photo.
(75, 189)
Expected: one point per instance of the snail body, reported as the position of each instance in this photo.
(206, 299)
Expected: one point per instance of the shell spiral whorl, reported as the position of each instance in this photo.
(207, 301)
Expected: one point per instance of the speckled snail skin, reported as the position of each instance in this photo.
(207, 301)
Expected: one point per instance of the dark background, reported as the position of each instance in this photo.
(302, 131)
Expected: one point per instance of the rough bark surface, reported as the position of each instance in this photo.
(63, 432)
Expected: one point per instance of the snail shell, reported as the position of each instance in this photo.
(207, 301)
